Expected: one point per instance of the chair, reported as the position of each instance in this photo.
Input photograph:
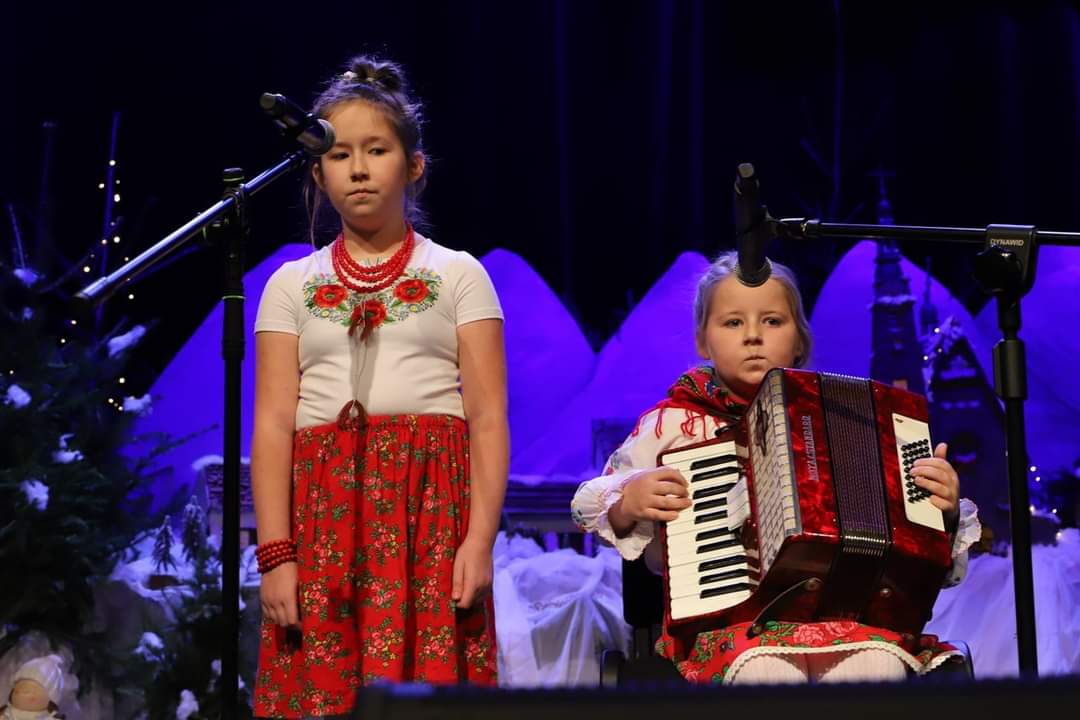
(643, 610)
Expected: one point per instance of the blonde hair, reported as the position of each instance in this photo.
(723, 266)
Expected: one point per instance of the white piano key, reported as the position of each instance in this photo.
(701, 505)
(681, 557)
(692, 454)
(685, 528)
(692, 576)
(727, 557)
(694, 589)
(718, 588)
(692, 522)
(693, 486)
(691, 607)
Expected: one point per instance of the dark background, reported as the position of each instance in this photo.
(596, 139)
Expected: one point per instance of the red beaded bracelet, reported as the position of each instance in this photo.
(274, 553)
(273, 545)
(267, 566)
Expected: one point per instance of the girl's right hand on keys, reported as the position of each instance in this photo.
(278, 593)
(658, 494)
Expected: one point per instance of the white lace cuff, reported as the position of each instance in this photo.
(968, 532)
(590, 507)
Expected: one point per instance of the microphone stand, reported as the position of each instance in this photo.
(1006, 269)
(224, 224)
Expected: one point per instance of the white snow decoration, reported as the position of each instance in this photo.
(150, 647)
(205, 460)
(893, 300)
(120, 343)
(26, 276)
(139, 405)
(16, 396)
(37, 493)
(188, 705)
(63, 456)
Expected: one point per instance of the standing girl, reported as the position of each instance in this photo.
(743, 332)
(380, 450)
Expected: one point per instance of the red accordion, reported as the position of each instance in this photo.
(835, 527)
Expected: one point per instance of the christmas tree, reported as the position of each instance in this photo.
(71, 502)
(173, 673)
(163, 547)
(194, 531)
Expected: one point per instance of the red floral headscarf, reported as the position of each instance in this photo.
(701, 395)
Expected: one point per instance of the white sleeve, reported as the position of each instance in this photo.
(280, 303)
(590, 506)
(968, 532)
(474, 293)
(594, 498)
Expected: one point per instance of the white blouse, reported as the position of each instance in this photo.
(410, 363)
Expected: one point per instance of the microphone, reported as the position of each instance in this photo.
(315, 134)
(751, 229)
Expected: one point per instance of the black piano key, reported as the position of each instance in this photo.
(710, 474)
(720, 577)
(727, 589)
(710, 504)
(719, 545)
(712, 534)
(721, 563)
(710, 462)
(709, 517)
(709, 492)
(718, 490)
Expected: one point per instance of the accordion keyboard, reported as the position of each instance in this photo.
(708, 567)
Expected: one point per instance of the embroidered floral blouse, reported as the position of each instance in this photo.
(414, 338)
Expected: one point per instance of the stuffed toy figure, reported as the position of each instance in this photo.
(35, 690)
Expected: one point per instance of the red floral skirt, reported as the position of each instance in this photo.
(379, 510)
(716, 655)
